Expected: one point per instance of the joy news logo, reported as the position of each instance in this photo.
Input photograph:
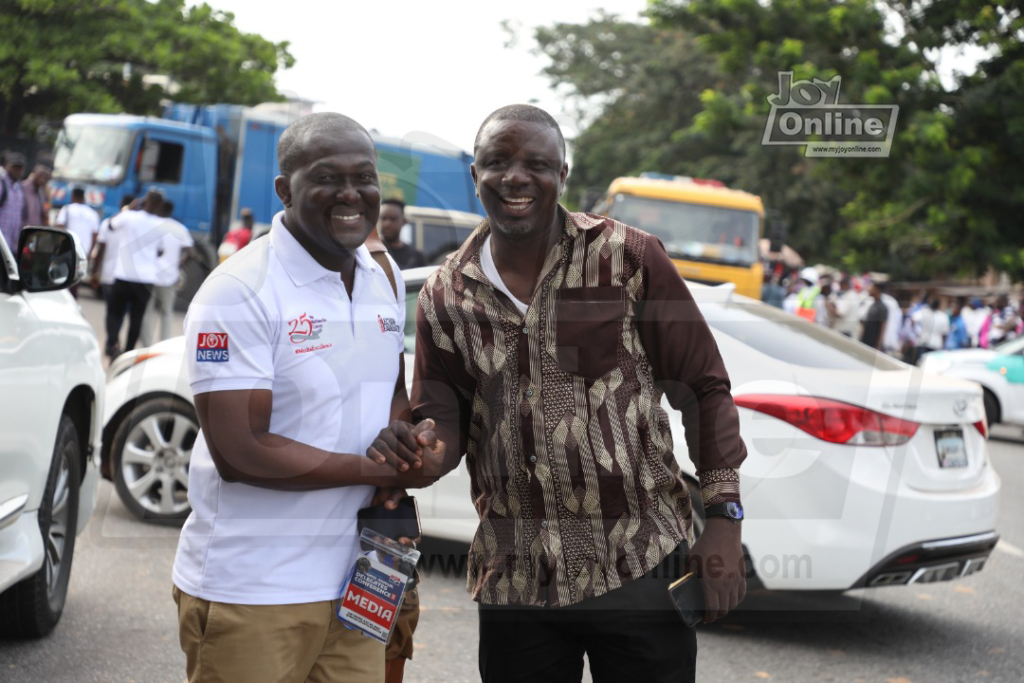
(808, 113)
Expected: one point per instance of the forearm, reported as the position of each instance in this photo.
(273, 461)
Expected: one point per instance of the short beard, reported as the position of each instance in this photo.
(514, 230)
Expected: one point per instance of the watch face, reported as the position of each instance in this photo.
(734, 510)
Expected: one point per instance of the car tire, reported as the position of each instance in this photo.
(31, 608)
(151, 452)
(992, 412)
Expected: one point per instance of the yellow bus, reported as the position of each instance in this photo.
(711, 233)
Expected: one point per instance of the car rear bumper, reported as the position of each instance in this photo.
(930, 561)
(835, 526)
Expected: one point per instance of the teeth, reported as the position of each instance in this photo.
(525, 200)
(346, 219)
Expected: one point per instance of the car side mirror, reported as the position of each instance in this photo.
(49, 259)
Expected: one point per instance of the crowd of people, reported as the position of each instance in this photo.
(865, 309)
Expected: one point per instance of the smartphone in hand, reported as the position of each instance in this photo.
(403, 521)
(687, 595)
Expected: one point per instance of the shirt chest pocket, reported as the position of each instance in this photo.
(588, 328)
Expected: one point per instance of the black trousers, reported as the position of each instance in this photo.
(632, 633)
(131, 298)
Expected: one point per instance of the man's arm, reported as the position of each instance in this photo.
(236, 425)
(688, 366)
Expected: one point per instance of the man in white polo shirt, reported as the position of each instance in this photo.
(294, 350)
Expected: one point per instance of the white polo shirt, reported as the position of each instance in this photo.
(138, 247)
(271, 317)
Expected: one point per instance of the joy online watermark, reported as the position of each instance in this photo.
(808, 113)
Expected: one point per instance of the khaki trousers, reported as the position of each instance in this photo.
(226, 643)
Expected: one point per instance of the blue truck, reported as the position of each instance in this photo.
(214, 160)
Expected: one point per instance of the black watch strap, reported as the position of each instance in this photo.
(731, 510)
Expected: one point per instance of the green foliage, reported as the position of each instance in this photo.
(63, 56)
(688, 93)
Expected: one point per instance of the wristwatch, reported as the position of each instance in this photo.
(730, 510)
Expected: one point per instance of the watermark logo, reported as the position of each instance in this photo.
(808, 113)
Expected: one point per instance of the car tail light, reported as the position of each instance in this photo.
(982, 427)
(833, 421)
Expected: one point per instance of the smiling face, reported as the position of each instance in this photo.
(332, 197)
(520, 170)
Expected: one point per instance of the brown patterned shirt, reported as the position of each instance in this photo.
(558, 412)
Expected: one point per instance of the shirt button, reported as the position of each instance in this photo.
(533, 458)
(526, 330)
(544, 523)
(529, 392)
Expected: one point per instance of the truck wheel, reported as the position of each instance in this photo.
(31, 608)
(992, 412)
(151, 454)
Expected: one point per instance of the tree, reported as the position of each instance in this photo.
(688, 94)
(64, 56)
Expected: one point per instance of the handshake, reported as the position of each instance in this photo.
(413, 451)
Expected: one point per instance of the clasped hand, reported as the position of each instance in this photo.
(414, 451)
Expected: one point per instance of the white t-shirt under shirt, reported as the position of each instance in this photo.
(175, 239)
(138, 246)
(491, 271)
(271, 317)
(82, 220)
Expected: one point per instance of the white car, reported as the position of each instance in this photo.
(862, 471)
(999, 371)
(51, 400)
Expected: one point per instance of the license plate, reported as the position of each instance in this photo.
(949, 443)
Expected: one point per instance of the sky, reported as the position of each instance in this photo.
(414, 69)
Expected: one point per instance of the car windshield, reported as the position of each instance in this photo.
(793, 340)
(1009, 348)
(694, 231)
(91, 153)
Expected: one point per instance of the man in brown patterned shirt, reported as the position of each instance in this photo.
(544, 346)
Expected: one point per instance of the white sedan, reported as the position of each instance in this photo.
(999, 371)
(862, 471)
(51, 399)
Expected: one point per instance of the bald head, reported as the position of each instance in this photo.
(520, 112)
(292, 148)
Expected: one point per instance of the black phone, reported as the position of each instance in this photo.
(687, 595)
(403, 521)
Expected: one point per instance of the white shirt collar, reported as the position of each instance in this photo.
(300, 265)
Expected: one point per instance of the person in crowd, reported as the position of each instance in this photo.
(1002, 324)
(105, 258)
(891, 340)
(876, 317)
(239, 237)
(958, 337)
(80, 219)
(36, 200)
(392, 218)
(772, 291)
(933, 326)
(808, 299)
(135, 270)
(295, 359)
(12, 198)
(530, 342)
(844, 308)
(175, 248)
(974, 317)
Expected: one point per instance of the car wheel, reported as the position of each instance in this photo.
(151, 453)
(992, 412)
(31, 608)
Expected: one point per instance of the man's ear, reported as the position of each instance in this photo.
(562, 178)
(283, 190)
(472, 172)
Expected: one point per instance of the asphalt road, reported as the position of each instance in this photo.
(120, 624)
